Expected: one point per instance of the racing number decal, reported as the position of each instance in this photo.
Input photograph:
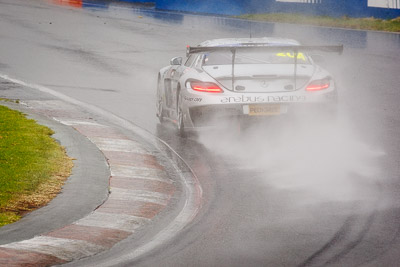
(291, 55)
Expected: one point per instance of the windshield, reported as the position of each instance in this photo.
(254, 57)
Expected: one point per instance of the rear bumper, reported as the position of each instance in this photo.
(214, 115)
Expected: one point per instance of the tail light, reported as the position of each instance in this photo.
(206, 87)
(318, 85)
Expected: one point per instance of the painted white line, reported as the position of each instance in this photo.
(139, 195)
(139, 172)
(65, 249)
(119, 145)
(70, 122)
(121, 222)
(161, 180)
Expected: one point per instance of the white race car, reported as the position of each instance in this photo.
(243, 79)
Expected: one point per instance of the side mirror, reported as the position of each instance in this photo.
(318, 58)
(176, 61)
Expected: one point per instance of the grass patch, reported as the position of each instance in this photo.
(392, 25)
(33, 166)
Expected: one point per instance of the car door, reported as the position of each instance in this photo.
(170, 82)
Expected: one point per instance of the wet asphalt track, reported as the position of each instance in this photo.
(110, 57)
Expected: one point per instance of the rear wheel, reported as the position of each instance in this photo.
(160, 105)
(181, 125)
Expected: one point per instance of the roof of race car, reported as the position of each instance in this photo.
(267, 41)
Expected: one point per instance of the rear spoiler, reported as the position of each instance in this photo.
(265, 47)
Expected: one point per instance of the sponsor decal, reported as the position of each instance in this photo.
(193, 99)
(261, 99)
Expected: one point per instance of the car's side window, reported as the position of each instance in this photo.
(190, 60)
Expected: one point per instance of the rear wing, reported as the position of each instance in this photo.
(265, 47)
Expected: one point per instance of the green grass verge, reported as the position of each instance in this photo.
(33, 165)
(343, 22)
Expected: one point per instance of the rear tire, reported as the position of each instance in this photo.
(181, 125)
(160, 103)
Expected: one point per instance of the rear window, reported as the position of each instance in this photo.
(254, 57)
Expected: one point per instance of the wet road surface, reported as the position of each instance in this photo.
(289, 194)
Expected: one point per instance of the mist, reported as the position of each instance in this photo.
(325, 160)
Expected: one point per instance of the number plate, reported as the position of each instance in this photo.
(264, 110)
